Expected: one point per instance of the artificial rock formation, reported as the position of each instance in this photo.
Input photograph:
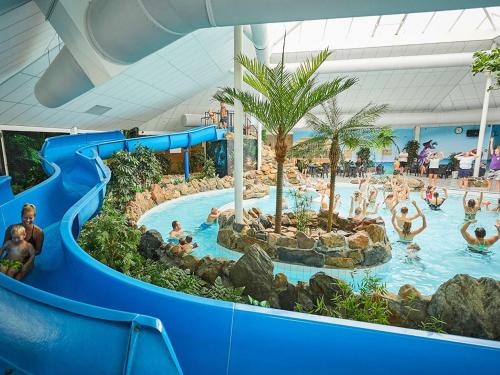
(343, 248)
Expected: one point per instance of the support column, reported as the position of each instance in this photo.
(186, 164)
(4, 155)
(416, 133)
(238, 129)
(482, 125)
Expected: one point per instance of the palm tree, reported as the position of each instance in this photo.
(333, 134)
(385, 138)
(286, 98)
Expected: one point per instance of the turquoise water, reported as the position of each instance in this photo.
(443, 251)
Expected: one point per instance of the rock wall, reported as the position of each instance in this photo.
(467, 306)
(342, 248)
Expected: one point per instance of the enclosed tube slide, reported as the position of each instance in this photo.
(63, 301)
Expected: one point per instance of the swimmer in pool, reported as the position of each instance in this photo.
(213, 216)
(436, 201)
(479, 242)
(471, 207)
(406, 235)
(488, 206)
(176, 232)
(403, 217)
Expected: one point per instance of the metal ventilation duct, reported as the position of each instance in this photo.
(63, 81)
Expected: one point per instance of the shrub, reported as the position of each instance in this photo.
(208, 170)
(165, 163)
(132, 173)
(196, 161)
(301, 206)
(412, 148)
(363, 307)
(110, 240)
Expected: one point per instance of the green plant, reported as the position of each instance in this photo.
(209, 170)
(433, 324)
(255, 302)
(196, 161)
(364, 154)
(165, 163)
(177, 181)
(219, 291)
(489, 62)
(363, 306)
(280, 99)
(24, 162)
(301, 207)
(110, 240)
(333, 133)
(264, 136)
(132, 173)
(412, 148)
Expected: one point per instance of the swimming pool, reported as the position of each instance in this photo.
(443, 251)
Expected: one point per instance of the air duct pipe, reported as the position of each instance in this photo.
(392, 63)
(260, 39)
(450, 118)
(63, 81)
(125, 31)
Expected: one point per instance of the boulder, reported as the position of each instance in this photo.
(409, 313)
(226, 238)
(408, 292)
(376, 232)
(304, 297)
(468, 306)
(210, 268)
(286, 241)
(150, 242)
(288, 297)
(377, 254)
(307, 257)
(189, 262)
(304, 241)
(339, 262)
(254, 271)
(255, 191)
(359, 240)
(356, 256)
(332, 240)
(323, 285)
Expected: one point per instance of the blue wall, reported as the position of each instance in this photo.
(446, 138)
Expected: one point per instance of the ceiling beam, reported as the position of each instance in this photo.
(489, 19)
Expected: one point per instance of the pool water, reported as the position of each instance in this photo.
(443, 251)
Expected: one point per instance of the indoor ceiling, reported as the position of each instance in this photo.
(182, 77)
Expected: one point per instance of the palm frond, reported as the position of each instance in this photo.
(315, 147)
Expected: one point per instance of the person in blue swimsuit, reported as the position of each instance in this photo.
(211, 219)
(176, 233)
(479, 242)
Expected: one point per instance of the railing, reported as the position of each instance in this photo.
(214, 118)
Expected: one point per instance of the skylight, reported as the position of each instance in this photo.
(390, 30)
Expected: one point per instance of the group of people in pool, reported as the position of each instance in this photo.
(22, 243)
(364, 203)
(185, 241)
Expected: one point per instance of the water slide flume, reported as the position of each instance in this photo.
(207, 336)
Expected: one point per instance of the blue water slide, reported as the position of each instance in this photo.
(207, 336)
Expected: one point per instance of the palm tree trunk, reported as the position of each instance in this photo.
(280, 150)
(279, 198)
(334, 160)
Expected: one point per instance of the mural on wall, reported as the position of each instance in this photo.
(423, 156)
(249, 155)
(217, 151)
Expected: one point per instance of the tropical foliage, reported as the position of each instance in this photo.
(362, 306)
(301, 207)
(131, 173)
(280, 99)
(208, 170)
(489, 62)
(111, 241)
(333, 134)
(24, 162)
